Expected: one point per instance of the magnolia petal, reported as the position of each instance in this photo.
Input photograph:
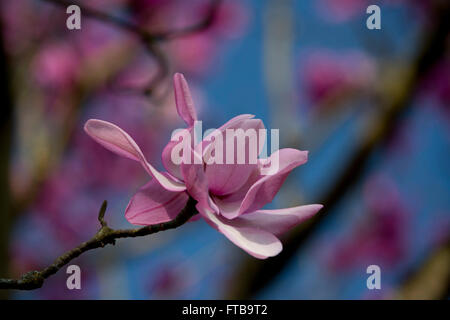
(256, 242)
(280, 220)
(153, 204)
(230, 205)
(243, 121)
(196, 180)
(227, 178)
(230, 124)
(236, 121)
(118, 141)
(181, 137)
(113, 138)
(168, 164)
(265, 189)
(228, 209)
(197, 185)
(183, 100)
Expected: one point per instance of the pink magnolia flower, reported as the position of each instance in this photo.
(229, 196)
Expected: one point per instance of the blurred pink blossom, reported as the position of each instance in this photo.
(327, 74)
(168, 281)
(56, 66)
(196, 53)
(381, 238)
(339, 11)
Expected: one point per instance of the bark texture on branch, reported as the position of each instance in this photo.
(104, 236)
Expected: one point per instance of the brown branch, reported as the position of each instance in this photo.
(253, 275)
(104, 236)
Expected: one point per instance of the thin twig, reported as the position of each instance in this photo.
(104, 236)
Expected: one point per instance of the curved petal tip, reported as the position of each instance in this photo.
(183, 99)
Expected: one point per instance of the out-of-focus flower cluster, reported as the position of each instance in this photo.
(328, 76)
(382, 235)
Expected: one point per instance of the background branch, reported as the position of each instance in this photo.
(104, 236)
